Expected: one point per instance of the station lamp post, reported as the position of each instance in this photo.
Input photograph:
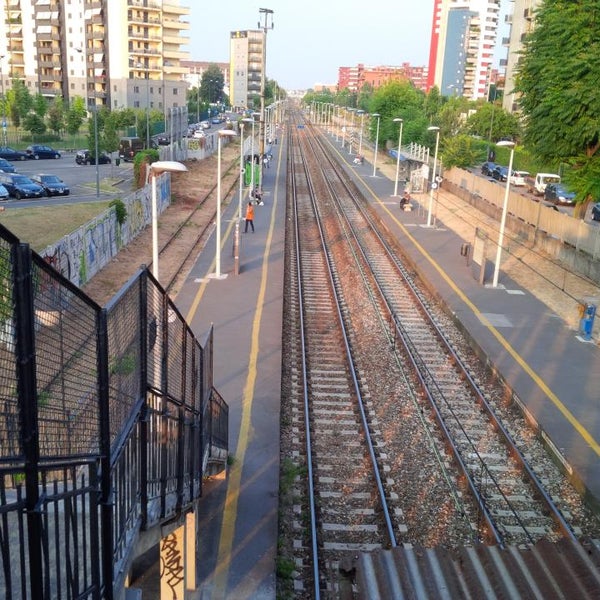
(398, 120)
(344, 127)
(510, 145)
(154, 170)
(376, 143)
(433, 184)
(241, 126)
(221, 134)
(360, 135)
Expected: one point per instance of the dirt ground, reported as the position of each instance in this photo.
(188, 188)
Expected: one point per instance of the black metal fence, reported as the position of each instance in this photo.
(108, 417)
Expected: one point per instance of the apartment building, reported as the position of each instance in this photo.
(463, 40)
(116, 53)
(353, 78)
(196, 68)
(521, 23)
(246, 64)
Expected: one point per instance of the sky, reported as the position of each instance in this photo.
(311, 39)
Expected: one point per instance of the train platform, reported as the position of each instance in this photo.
(239, 513)
(550, 368)
(554, 374)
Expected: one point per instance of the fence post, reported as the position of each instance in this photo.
(147, 340)
(106, 491)
(27, 394)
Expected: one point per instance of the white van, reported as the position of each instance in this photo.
(543, 179)
(519, 178)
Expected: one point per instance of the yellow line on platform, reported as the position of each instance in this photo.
(581, 430)
(235, 476)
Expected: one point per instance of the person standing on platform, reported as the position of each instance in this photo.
(249, 216)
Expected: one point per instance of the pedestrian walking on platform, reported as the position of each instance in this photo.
(249, 216)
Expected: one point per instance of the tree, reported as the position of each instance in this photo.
(491, 122)
(462, 151)
(211, 84)
(557, 79)
(34, 124)
(19, 101)
(398, 99)
(76, 115)
(56, 115)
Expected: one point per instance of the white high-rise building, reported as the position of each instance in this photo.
(521, 23)
(246, 67)
(116, 53)
(463, 40)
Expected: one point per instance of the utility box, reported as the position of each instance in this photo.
(587, 313)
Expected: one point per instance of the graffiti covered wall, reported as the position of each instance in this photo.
(81, 254)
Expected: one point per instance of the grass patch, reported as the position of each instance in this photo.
(40, 227)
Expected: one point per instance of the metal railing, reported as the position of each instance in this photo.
(108, 418)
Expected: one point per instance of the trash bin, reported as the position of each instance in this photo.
(586, 324)
(117, 161)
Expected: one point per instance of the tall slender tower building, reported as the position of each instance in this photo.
(246, 60)
(116, 53)
(463, 40)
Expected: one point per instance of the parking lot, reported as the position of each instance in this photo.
(114, 180)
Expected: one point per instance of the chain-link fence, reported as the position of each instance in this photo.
(108, 418)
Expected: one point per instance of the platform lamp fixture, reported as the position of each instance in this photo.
(360, 135)
(221, 134)
(398, 120)
(154, 170)
(241, 193)
(376, 143)
(510, 145)
(434, 183)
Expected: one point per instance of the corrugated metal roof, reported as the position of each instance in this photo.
(565, 569)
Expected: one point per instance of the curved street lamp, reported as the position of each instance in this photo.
(398, 120)
(221, 133)
(154, 170)
(362, 116)
(376, 142)
(510, 145)
(433, 182)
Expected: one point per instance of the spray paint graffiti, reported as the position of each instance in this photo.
(81, 254)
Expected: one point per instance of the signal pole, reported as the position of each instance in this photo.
(267, 15)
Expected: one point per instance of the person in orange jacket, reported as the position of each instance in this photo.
(249, 216)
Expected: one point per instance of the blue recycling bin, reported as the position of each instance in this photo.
(587, 320)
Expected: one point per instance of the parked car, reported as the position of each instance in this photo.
(519, 178)
(37, 151)
(53, 185)
(596, 212)
(487, 168)
(129, 147)
(500, 173)
(20, 186)
(557, 193)
(162, 139)
(6, 167)
(4, 195)
(12, 154)
(85, 157)
(205, 124)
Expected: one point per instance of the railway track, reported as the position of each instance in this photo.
(348, 505)
(466, 441)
